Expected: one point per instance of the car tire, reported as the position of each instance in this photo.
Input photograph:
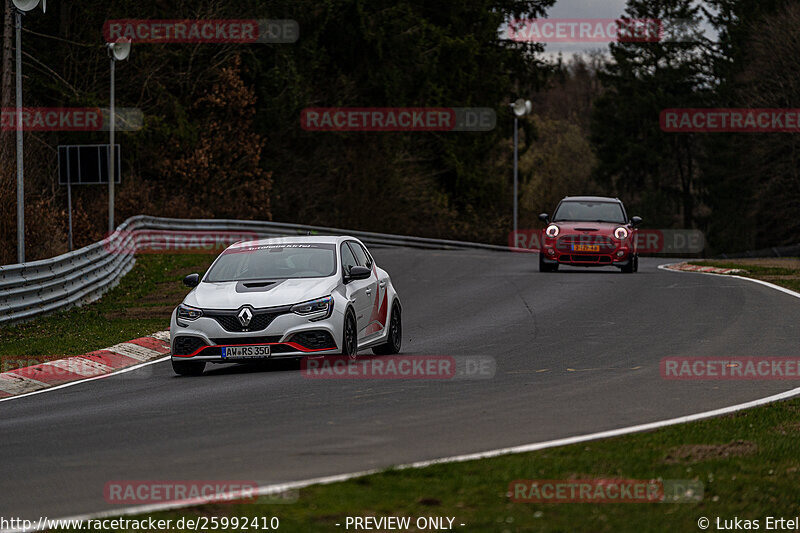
(544, 267)
(395, 338)
(636, 263)
(630, 267)
(188, 368)
(350, 335)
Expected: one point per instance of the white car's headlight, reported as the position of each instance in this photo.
(188, 313)
(621, 233)
(551, 230)
(314, 307)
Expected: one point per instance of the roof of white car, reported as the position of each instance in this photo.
(300, 239)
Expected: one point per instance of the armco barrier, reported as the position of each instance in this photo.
(31, 289)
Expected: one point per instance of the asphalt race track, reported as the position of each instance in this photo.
(576, 352)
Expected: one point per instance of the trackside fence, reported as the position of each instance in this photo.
(40, 287)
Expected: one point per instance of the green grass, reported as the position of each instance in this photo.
(787, 276)
(140, 305)
(760, 479)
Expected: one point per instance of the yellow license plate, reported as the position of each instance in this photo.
(585, 247)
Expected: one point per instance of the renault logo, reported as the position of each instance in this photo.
(245, 316)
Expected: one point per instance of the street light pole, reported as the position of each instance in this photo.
(20, 170)
(117, 51)
(20, 7)
(111, 154)
(516, 171)
(521, 108)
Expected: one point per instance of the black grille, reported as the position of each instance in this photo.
(605, 243)
(230, 321)
(247, 340)
(185, 345)
(588, 259)
(314, 340)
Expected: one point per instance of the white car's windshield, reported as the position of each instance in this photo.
(589, 212)
(274, 261)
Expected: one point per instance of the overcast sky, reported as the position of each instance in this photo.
(588, 10)
(576, 9)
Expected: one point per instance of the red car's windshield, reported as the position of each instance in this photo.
(590, 212)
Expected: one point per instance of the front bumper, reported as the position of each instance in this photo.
(618, 255)
(288, 335)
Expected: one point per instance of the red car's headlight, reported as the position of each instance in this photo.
(621, 233)
(551, 230)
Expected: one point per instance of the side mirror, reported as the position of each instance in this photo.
(635, 221)
(192, 280)
(357, 272)
(544, 217)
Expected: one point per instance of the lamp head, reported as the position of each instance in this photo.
(522, 107)
(27, 5)
(119, 50)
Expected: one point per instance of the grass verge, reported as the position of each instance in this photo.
(747, 463)
(141, 304)
(784, 272)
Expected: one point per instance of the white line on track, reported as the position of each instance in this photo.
(78, 382)
(280, 487)
(760, 282)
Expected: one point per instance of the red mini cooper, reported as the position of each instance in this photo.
(589, 231)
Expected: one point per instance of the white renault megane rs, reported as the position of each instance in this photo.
(286, 297)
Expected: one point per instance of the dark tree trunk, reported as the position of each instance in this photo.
(6, 100)
(7, 162)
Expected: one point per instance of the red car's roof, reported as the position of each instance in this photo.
(591, 199)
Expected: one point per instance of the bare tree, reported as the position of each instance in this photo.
(7, 214)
